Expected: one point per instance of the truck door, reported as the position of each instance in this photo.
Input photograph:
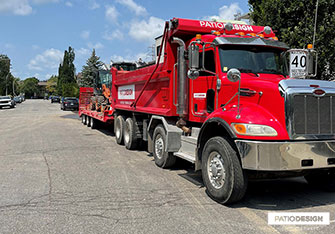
(203, 89)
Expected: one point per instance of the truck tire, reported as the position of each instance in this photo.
(324, 179)
(119, 129)
(222, 172)
(93, 123)
(83, 120)
(129, 137)
(88, 121)
(162, 158)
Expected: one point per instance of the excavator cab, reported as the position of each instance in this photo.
(102, 90)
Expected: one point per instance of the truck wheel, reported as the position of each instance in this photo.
(162, 158)
(222, 172)
(324, 179)
(93, 123)
(129, 138)
(83, 119)
(119, 129)
(88, 121)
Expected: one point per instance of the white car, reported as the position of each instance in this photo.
(6, 101)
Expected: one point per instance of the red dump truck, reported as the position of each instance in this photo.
(220, 96)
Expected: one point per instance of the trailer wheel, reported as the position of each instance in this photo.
(93, 123)
(129, 138)
(119, 129)
(324, 179)
(83, 119)
(222, 172)
(88, 121)
(162, 158)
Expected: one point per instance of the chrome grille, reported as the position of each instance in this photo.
(313, 115)
(308, 115)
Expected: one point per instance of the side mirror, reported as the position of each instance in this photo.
(194, 57)
(194, 60)
(234, 75)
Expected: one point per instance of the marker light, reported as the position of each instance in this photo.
(217, 33)
(310, 46)
(260, 35)
(252, 34)
(240, 33)
(198, 37)
(254, 129)
(275, 38)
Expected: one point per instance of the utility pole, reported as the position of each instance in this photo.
(13, 89)
(6, 83)
(315, 21)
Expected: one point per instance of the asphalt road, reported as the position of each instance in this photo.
(59, 176)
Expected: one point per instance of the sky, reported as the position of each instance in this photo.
(35, 33)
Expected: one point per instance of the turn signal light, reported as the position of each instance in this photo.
(310, 46)
(198, 37)
(240, 128)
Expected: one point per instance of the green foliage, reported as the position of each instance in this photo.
(294, 23)
(93, 64)
(52, 85)
(4, 73)
(66, 82)
(30, 87)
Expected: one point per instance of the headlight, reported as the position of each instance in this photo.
(253, 129)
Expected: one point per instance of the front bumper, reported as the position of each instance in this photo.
(285, 156)
(5, 104)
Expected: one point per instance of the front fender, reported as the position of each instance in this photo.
(251, 114)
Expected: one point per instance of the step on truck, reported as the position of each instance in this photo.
(234, 101)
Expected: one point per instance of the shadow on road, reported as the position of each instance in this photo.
(278, 194)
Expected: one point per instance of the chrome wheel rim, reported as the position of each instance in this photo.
(216, 170)
(117, 131)
(126, 134)
(159, 146)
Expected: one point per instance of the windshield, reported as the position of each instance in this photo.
(4, 97)
(105, 77)
(254, 59)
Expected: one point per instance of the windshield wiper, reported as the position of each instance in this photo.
(274, 71)
(244, 70)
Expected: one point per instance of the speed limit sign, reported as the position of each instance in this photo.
(298, 63)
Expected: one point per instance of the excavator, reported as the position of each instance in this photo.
(101, 99)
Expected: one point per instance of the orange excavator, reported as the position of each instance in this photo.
(101, 99)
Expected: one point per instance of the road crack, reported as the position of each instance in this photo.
(49, 175)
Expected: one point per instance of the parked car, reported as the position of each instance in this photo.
(55, 99)
(17, 99)
(69, 103)
(6, 101)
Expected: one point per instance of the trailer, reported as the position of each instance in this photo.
(220, 96)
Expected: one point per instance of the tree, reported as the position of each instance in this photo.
(4, 73)
(93, 64)
(30, 87)
(66, 83)
(294, 23)
(52, 84)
